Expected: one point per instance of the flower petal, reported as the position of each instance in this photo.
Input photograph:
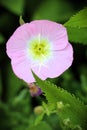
(18, 41)
(60, 62)
(56, 33)
(22, 69)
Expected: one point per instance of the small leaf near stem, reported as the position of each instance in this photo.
(21, 21)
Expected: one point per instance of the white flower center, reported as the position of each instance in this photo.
(39, 49)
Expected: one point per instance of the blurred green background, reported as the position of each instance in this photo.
(16, 104)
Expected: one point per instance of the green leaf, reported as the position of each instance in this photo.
(67, 105)
(77, 35)
(40, 126)
(4, 116)
(77, 27)
(39, 118)
(2, 39)
(78, 20)
(13, 83)
(55, 10)
(20, 97)
(21, 21)
(0, 86)
(21, 100)
(53, 120)
(15, 6)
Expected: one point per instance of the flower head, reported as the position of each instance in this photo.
(42, 46)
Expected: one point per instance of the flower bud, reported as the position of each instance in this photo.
(60, 105)
(38, 110)
(34, 90)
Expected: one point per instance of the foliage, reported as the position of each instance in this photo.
(77, 35)
(65, 104)
(21, 21)
(59, 10)
(41, 126)
(14, 6)
(79, 20)
(77, 27)
(2, 39)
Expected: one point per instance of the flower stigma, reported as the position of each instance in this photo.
(39, 49)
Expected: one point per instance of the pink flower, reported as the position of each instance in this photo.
(41, 46)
